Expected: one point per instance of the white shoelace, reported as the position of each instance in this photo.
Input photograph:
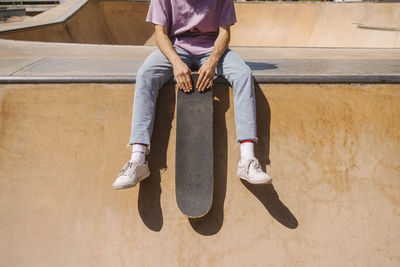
(256, 165)
(129, 168)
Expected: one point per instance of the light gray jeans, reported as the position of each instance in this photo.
(157, 70)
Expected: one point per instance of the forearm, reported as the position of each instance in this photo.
(165, 45)
(220, 45)
(207, 70)
(180, 69)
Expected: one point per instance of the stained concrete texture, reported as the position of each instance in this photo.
(333, 151)
(259, 24)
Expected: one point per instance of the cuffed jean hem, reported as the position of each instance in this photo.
(254, 139)
(147, 146)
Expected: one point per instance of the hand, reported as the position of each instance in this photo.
(206, 75)
(182, 76)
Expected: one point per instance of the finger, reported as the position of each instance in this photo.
(199, 80)
(183, 83)
(188, 82)
(203, 82)
(179, 82)
(211, 80)
(210, 83)
(202, 75)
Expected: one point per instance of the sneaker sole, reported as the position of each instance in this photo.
(256, 182)
(130, 185)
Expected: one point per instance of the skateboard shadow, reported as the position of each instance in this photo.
(150, 189)
(267, 193)
(212, 222)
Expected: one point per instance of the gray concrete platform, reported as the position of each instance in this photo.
(40, 62)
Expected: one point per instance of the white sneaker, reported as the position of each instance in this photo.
(131, 174)
(250, 170)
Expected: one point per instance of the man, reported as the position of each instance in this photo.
(192, 34)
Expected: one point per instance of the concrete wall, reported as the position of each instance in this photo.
(333, 151)
(259, 24)
(96, 22)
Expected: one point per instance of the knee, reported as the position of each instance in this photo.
(143, 74)
(144, 85)
(147, 81)
(246, 72)
(242, 75)
(243, 71)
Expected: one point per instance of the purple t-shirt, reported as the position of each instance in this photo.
(193, 25)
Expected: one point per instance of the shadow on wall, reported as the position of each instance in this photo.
(267, 193)
(150, 191)
(212, 222)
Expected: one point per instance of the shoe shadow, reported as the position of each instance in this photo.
(270, 199)
(267, 193)
(150, 189)
(212, 222)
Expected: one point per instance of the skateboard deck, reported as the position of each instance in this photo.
(194, 151)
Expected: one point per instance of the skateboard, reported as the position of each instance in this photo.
(194, 151)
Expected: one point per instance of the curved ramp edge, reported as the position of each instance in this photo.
(58, 14)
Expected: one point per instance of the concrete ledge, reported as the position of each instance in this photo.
(303, 79)
(37, 62)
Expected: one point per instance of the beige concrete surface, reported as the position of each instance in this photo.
(276, 24)
(14, 19)
(27, 59)
(37, 49)
(333, 151)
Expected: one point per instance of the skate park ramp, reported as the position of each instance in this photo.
(272, 24)
(328, 121)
